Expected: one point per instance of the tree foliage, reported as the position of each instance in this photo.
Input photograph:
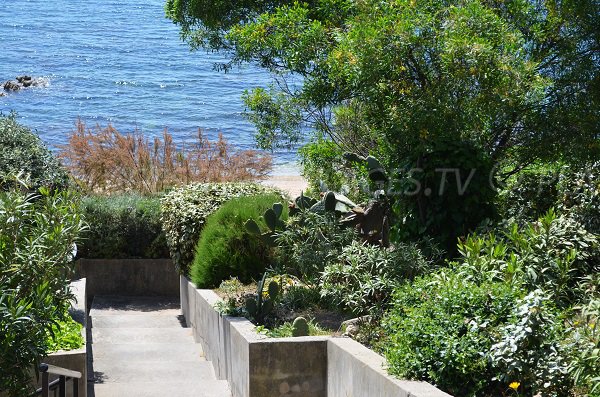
(516, 81)
(520, 79)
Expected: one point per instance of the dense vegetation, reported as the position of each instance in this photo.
(40, 223)
(517, 83)
(475, 251)
(37, 234)
(122, 226)
(467, 132)
(23, 152)
(184, 213)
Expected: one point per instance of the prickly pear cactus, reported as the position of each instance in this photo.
(300, 327)
(272, 218)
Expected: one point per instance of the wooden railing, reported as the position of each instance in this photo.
(59, 385)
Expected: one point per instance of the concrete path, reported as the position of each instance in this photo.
(140, 346)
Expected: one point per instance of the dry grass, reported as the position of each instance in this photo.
(104, 160)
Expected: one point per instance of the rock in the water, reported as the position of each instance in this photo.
(23, 82)
(12, 85)
(23, 79)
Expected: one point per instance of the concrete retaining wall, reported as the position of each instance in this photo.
(354, 370)
(257, 366)
(129, 276)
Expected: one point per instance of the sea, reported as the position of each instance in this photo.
(121, 63)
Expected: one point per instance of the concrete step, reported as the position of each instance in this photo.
(142, 335)
(118, 352)
(214, 388)
(135, 321)
(134, 304)
(140, 346)
(186, 372)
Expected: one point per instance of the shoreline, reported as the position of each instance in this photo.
(291, 184)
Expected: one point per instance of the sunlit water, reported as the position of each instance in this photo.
(119, 62)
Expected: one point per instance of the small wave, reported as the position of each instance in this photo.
(171, 85)
(42, 82)
(124, 82)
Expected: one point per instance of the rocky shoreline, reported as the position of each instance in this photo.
(21, 82)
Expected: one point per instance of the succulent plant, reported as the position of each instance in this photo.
(273, 221)
(301, 203)
(300, 327)
(260, 307)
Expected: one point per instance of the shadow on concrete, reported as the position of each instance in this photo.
(144, 304)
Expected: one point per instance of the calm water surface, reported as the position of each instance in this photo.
(119, 62)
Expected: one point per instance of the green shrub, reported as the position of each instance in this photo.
(23, 152)
(325, 169)
(529, 350)
(184, 212)
(364, 277)
(37, 233)
(585, 347)
(554, 253)
(446, 193)
(580, 196)
(300, 297)
(123, 226)
(309, 242)
(568, 189)
(225, 249)
(440, 328)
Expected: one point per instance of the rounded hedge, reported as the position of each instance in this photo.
(225, 249)
(184, 211)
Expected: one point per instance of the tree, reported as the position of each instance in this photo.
(519, 80)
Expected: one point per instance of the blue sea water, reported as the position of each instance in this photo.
(119, 62)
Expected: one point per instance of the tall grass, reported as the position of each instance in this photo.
(103, 160)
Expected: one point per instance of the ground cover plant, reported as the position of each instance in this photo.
(65, 335)
(122, 226)
(226, 249)
(184, 211)
(37, 235)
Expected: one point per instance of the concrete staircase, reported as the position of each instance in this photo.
(140, 346)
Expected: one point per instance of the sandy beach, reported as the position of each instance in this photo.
(292, 184)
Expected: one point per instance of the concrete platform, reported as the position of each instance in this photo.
(140, 346)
